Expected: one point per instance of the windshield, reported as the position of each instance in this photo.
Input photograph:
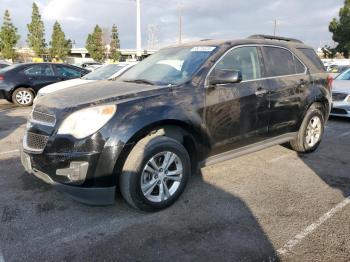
(104, 72)
(169, 66)
(344, 76)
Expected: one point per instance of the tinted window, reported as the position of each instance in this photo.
(243, 59)
(67, 72)
(39, 70)
(279, 62)
(312, 56)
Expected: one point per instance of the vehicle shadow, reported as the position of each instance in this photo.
(331, 160)
(205, 224)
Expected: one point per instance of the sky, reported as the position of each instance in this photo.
(202, 19)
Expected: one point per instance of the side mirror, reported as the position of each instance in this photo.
(225, 77)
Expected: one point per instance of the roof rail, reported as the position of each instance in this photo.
(279, 38)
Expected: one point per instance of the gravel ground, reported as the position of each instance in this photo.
(246, 209)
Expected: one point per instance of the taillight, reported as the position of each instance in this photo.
(330, 82)
(1, 78)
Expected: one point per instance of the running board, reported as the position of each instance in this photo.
(248, 149)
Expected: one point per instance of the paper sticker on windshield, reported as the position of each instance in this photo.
(203, 49)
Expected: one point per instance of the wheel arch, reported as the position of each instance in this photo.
(176, 129)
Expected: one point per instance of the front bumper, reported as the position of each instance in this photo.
(87, 195)
(341, 109)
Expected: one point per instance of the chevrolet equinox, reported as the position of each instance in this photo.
(183, 108)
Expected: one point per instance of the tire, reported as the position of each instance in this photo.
(23, 97)
(303, 142)
(136, 182)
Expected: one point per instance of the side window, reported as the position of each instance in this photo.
(67, 72)
(281, 62)
(243, 59)
(39, 70)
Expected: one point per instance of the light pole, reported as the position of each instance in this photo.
(138, 29)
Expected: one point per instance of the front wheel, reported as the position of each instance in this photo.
(155, 173)
(311, 131)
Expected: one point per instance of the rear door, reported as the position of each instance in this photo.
(67, 72)
(40, 75)
(287, 82)
(237, 114)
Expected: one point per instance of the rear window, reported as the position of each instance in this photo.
(312, 56)
(281, 62)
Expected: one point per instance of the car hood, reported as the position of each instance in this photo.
(342, 86)
(62, 85)
(94, 93)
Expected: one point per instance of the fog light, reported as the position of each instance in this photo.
(76, 172)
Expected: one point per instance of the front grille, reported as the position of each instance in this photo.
(34, 142)
(43, 118)
(339, 96)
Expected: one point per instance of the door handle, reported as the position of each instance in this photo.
(260, 91)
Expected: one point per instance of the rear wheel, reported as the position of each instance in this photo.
(23, 97)
(311, 131)
(155, 173)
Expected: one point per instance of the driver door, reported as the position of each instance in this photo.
(236, 114)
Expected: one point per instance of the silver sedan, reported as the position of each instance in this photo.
(341, 95)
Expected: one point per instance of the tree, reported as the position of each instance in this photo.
(36, 32)
(8, 37)
(94, 44)
(115, 44)
(340, 28)
(60, 46)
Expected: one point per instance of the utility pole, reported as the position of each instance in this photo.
(180, 23)
(275, 24)
(138, 29)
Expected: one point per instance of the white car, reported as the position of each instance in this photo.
(106, 72)
(341, 95)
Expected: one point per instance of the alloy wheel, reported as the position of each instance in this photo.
(313, 131)
(24, 97)
(161, 176)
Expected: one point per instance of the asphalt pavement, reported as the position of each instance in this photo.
(272, 205)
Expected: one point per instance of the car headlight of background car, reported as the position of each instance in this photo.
(85, 122)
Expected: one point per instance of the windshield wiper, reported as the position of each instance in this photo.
(139, 81)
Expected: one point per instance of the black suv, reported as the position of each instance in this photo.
(182, 108)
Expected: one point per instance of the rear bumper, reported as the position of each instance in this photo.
(88, 195)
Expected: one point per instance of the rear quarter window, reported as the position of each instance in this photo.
(313, 57)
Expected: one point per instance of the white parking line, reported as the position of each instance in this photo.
(311, 228)
(9, 152)
(277, 158)
(1, 257)
(344, 134)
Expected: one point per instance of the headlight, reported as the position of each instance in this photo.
(87, 121)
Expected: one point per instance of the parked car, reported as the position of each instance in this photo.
(182, 108)
(3, 64)
(91, 66)
(336, 70)
(341, 95)
(107, 72)
(20, 83)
